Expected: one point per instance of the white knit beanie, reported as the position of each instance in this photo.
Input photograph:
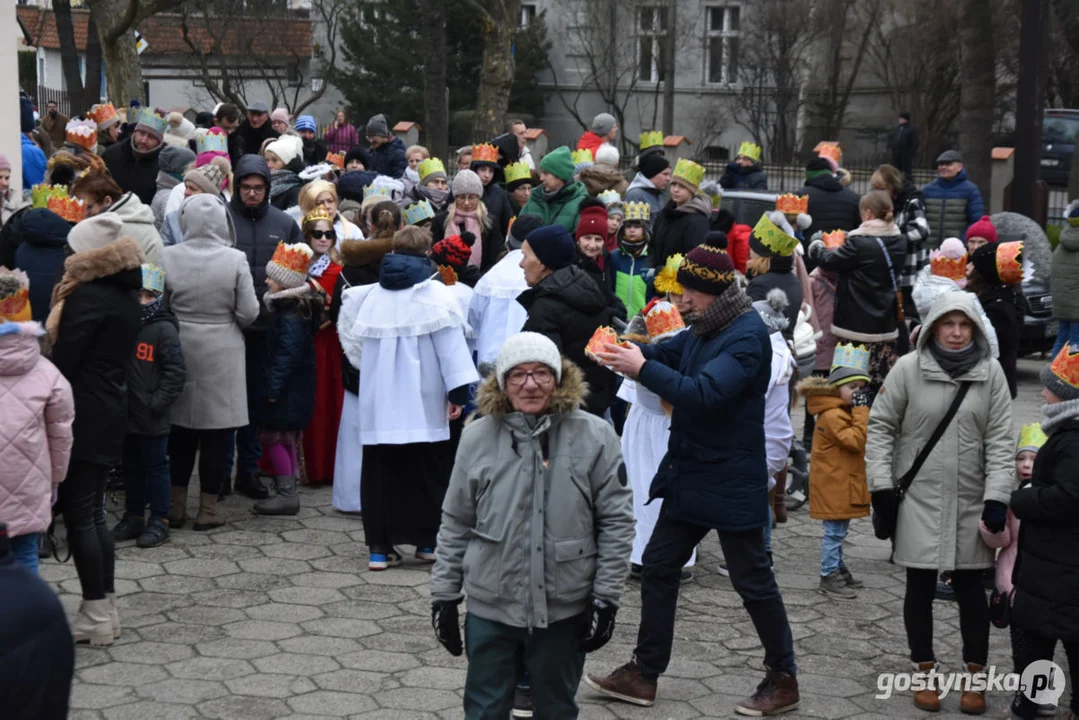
(527, 347)
(95, 232)
(286, 147)
(608, 155)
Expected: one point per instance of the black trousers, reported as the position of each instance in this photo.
(1029, 647)
(212, 449)
(82, 502)
(669, 549)
(973, 614)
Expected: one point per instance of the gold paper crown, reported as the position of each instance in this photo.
(103, 115)
(14, 296)
(581, 156)
(773, 238)
(751, 151)
(651, 138)
(295, 257)
(791, 204)
(428, 166)
(518, 171)
(1010, 262)
(485, 152)
(637, 211)
(666, 281)
(317, 213)
(42, 193)
(1031, 437)
(336, 159)
(71, 209)
(951, 268)
(688, 171)
(834, 239)
(1066, 366)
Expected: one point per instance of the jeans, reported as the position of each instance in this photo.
(82, 503)
(550, 655)
(1067, 332)
(831, 547)
(248, 446)
(973, 614)
(1038, 647)
(211, 448)
(146, 475)
(248, 450)
(768, 530)
(24, 548)
(669, 549)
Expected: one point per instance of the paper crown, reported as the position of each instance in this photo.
(428, 166)
(104, 115)
(336, 159)
(294, 258)
(662, 320)
(611, 196)
(518, 171)
(14, 296)
(751, 151)
(773, 238)
(666, 281)
(852, 357)
(581, 156)
(151, 118)
(790, 204)
(1010, 262)
(1031, 437)
(317, 213)
(951, 268)
(688, 171)
(448, 275)
(153, 278)
(42, 193)
(418, 212)
(71, 209)
(637, 212)
(603, 336)
(82, 133)
(213, 140)
(651, 138)
(485, 152)
(830, 149)
(378, 190)
(834, 239)
(1066, 365)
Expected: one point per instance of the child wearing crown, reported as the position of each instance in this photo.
(683, 222)
(745, 173)
(633, 269)
(838, 491)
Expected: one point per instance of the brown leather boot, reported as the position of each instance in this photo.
(928, 699)
(177, 507)
(777, 693)
(779, 502)
(972, 702)
(626, 684)
(208, 517)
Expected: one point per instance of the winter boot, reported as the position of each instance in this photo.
(114, 614)
(928, 699)
(777, 693)
(208, 517)
(92, 624)
(779, 504)
(177, 507)
(626, 683)
(249, 485)
(973, 702)
(286, 502)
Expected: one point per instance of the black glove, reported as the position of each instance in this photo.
(447, 628)
(816, 249)
(598, 626)
(883, 500)
(860, 398)
(995, 516)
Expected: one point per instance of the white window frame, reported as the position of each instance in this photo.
(651, 35)
(529, 11)
(724, 35)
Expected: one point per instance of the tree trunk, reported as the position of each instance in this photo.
(669, 58)
(1030, 98)
(92, 87)
(977, 90)
(123, 69)
(69, 55)
(496, 79)
(436, 119)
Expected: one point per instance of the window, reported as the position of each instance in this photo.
(717, 153)
(651, 39)
(293, 76)
(721, 59)
(528, 14)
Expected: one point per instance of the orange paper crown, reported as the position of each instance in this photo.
(1066, 365)
(829, 149)
(792, 204)
(82, 133)
(834, 239)
(953, 269)
(604, 335)
(1010, 262)
(448, 274)
(102, 114)
(337, 160)
(485, 153)
(14, 296)
(71, 209)
(662, 319)
(292, 257)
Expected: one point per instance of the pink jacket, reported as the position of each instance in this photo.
(36, 412)
(1008, 541)
(824, 283)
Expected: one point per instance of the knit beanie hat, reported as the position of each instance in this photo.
(527, 347)
(95, 232)
(453, 250)
(773, 310)
(603, 123)
(286, 147)
(357, 153)
(520, 228)
(707, 269)
(180, 130)
(983, 229)
(5, 164)
(984, 260)
(288, 266)
(558, 163)
(849, 363)
(608, 155)
(209, 178)
(1061, 377)
(306, 122)
(467, 182)
(553, 245)
(652, 165)
(378, 127)
(280, 115)
(173, 160)
(593, 220)
(14, 296)
(817, 167)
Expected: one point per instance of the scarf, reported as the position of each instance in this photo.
(281, 181)
(123, 254)
(151, 309)
(632, 247)
(65, 287)
(725, 309)
(296, 293)
(319, 265)
(437, 197)
(469, 222)
(139, 155)
(955, 362)
(1057, 413)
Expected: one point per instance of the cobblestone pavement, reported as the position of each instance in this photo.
(273, 618)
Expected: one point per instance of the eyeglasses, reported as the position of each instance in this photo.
(543, 376)
(319, 234)
(252, 189)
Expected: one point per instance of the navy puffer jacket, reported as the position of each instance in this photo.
(41, 256)
(287, 393)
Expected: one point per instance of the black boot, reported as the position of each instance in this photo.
(250, 486)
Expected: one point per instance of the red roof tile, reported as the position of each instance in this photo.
(534, 133)
(675, 140)
(405, 126)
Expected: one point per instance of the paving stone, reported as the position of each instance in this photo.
(201, 568)
(206, 615)
(341, 627)
(379, 660)
(338, 524)
(354, 680)
(182, 691)
(306, 596)
(96, 697)
(236, 648)
(155, 710)
(262, 630)
(252, 581)
(295, 551)
(225, 552)
(176, 584)
(239, 707)
(148, 652)
(210, 668)
(286, 663)
(263, 685)
(283, 612)
(137, 570)
(318, 645)
(252, 538)
(274, 566)
(329, 702)
(123, 673)
(432, 677)
(180, 633)
(327, 580)
(231, 598)
(314, 537)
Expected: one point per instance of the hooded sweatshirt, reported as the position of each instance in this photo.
(643, 190)
(140, 224)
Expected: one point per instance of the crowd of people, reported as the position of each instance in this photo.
(546, 376)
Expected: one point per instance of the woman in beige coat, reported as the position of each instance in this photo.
(212, 294)
(967, 477)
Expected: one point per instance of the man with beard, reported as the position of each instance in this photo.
(54, 123)
(133, 161)
(256, 128)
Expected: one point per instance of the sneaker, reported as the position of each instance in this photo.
(635, 571)
(777, 693)
(626, 684)
(795, 499)
(849, 579)
(129, 528)
(522, 702)
(834, 585)
(156, 533)
(723, 570)
(383, 560)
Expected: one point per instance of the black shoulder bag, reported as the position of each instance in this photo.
(886, 514)
(902, 341)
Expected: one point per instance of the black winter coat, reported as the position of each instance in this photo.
(11, 237)
(156, 376)
(41, 256)
(499, 208)
(865, 299)
(567, 307)
(736, 177)
(1001, 305)
(832, 206)
(604, 279)
(494, 242)
(133, 174)
(389, 159)
(251, 138)
(287, 393)
(679, 229)
(780, 276)
(1046, 574)
(362, 260)
(93, 350)
(314, 151)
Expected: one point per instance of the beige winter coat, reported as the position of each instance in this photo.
(972, 463)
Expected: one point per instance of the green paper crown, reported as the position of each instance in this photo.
(581, 156)
(380, 190)
(609, 196)
(688, 171)
(518, 171)
(428, 166)
(1031, 437)
(651, 138)
(153, 278)
(751, 150)
(779, 242)
(42, 193)
(151, 119)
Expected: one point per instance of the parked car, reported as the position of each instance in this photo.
(747, 206)
(1059, 128)
(1039, 328)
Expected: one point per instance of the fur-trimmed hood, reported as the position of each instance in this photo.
(124, 254)
(361, 252)
(819, 395)
(567, 397)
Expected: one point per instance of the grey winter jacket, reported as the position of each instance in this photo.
(528, 544)
(642, 190)
(165, 184)
(138, 221)
(1064, 281)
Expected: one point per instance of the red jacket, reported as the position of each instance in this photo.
(738, 246)
(590, 141)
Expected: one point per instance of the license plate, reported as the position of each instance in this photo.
(1048, 162)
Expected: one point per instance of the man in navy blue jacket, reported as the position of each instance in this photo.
(952, 202)
(714, 475)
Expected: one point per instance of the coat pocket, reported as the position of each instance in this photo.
(576, 568)
(482, 566)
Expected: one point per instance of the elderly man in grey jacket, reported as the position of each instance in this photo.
(537, 527)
